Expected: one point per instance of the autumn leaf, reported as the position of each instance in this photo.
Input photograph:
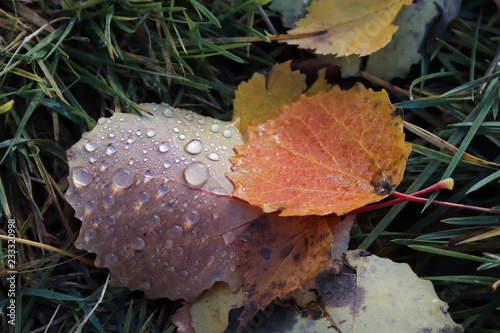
(259, 99)
(155, 204)
(283, 254)
(351, 27)
(209, 313)
(329, 153)
(366, 293)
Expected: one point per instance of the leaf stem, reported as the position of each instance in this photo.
(446, 184)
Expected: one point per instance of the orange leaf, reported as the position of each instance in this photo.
(329, 153)
(259, 99)
(283, 254)
(351, 27)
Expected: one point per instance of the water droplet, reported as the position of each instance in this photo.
(184, 273)
(194, 147)
(228, 237)
(227, 133)
(223, 254)
(93, 158)
(182, 136)
(189, 117)
(178, 251)
(110, 219)
(110, 259)
(192, 216)
(105, 165)
(90, 205)
(167, 164)
(167, 244)
(215, 128)
(162, 189)
(90, 145)
(130, 140)
(90, 233)
(168, 113)
(154, 220)
(192, 234)
(202, 121)
(138, 133)
(138, 243)
(81, 176)
(110, 149)
(108, 200)
(151, 132)
(164, 147)
(123, 178)
(149, 174)
(232, 268)
(143, 196)
(196, 174)
(213, 156)
(176, 130)
(145, 285)
(175, 232)
(101, 121)
(219, 191)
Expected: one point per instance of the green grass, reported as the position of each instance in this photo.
(99, 56)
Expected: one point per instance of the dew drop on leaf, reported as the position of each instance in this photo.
(123, 178)
(90, 145)
(138, 243)
(196, 174)
(90, 205)
(110, 259)
(81, 176)
(151, 132)
(192, 216)
(143, 196)
(194, 147)
(108, 200)
(175, 232)
(227, 133)
(164, 147)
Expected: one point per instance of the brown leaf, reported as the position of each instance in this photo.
(146, 191)
(283, 254)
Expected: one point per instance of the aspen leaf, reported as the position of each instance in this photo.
(329, 153)
(210, 312)
(155, 204)
(259, 99)
(351, 27)
(283, 254)
(366, 293)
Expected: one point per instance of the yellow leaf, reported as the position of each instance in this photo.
(351, 26)
(259, 99)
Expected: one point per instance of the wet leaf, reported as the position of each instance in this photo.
(351, 27)
(381, 296)
(283, 254)
(329, 153)
(155, 204)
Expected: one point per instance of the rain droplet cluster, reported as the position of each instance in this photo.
(134, 182)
